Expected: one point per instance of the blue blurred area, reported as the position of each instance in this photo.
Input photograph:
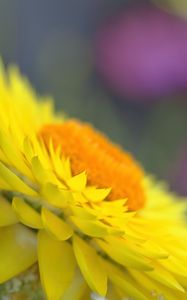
(52, 43)
(33, 30)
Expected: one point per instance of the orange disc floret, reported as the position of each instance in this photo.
(106, 164)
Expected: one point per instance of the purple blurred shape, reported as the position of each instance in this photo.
(142, 53)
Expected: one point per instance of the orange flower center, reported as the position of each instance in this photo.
(106, 164)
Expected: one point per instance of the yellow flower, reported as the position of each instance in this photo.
(82, 207)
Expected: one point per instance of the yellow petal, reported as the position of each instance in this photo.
(26, 214)
(96, 195)
(15, 182)
(84, 213)
(56, 226)
(56, 264)
(119, 222)
(164, 277)
(66, 165)
(40, 151)
(17, 251)
(13, 155)
(174, 265)
(153, 250)
(86, 295)
(4, 185)
(120, 253)
(28, 149)
(78, 198)
(42, 174)
(7, 214)
(77, 289)
(112, 294)
(61, 165)
(121, 280)
(78, 182)
(55, 196)
(93, 228)
(90, 266)
(116, 208)
(152, 286)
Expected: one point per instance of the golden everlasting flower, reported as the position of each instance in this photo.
(83, 208)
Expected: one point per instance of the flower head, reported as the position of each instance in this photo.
(82, 207)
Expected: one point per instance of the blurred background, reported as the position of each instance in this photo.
(121, 65)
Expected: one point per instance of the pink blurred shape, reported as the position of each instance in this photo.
(141, 53)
